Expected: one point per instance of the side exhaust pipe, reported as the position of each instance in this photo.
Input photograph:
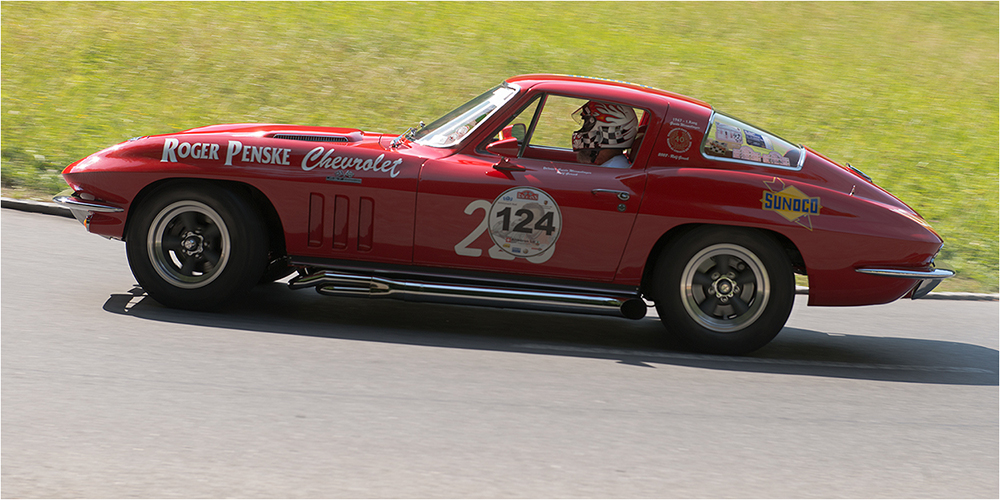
(339, 284)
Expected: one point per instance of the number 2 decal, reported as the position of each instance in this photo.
(523, 222)
(462, 248)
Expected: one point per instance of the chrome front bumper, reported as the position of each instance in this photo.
(928, 279)
(82, 209)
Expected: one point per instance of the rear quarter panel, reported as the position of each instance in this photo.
(840, 222)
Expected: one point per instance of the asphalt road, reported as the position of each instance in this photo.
(105, 393)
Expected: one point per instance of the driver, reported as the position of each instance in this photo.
(606, 131)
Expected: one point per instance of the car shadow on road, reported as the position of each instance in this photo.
(643, 343)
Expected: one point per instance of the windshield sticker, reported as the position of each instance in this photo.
(790, 203)
(679, 140)
(727, 133)
(717, 148)
(755, 139)
(774, 158)
(746, 153)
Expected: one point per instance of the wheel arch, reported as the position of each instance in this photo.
(647, 289)
(260, 201)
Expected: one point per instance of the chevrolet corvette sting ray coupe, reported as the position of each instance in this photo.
(546, 192)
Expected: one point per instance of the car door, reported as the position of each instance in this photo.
(534, 212)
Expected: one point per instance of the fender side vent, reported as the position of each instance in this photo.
(312, 138)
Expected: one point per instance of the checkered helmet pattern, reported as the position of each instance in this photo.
(604, 125)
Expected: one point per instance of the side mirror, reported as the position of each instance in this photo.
(517, 131)
(505, 147)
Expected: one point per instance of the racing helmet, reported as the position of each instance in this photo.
(604, 125)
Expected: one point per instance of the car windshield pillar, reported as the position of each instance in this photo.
(450, 129)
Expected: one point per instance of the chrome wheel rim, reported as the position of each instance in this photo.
(188, 244)
(725, 288)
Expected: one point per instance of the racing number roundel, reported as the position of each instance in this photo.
(524, 221)
(679, 140)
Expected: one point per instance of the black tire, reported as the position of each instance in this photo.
(196, 246)
(724, 290)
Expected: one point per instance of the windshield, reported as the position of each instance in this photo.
(451, 128)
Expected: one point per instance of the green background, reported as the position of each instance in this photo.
(905, 91)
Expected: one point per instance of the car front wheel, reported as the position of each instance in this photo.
(724, 290)
(195, 246)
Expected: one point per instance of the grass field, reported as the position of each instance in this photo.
(908, 92)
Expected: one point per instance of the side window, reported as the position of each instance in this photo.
(521, 119)
(550, 130)
(730, 138)
(556, 125)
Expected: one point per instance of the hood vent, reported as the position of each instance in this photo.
(312, 138)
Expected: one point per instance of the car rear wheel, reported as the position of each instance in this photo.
(724, 290)
(195, 246)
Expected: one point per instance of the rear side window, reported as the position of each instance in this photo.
(729, 138)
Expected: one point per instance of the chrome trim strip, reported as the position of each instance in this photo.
(355, 285)
(90, 206)
(935, 274)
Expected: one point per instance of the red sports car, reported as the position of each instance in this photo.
(545, 192)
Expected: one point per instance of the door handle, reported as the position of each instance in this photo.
(622, 195)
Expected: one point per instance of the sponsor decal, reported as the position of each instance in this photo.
(174, 149)
(679, 140)
(746, 153)
(771, 158)
(716, 148)
(728, 133)
(755, 139)
(790, 203)
(256, 154)
(527, 195)
(321, 157)
(774, 158)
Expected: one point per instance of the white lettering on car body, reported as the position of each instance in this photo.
(174, 149)
(256, 154)
(321, 157)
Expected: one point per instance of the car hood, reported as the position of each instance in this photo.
(281, 131)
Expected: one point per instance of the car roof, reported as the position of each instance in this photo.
(582, 83)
